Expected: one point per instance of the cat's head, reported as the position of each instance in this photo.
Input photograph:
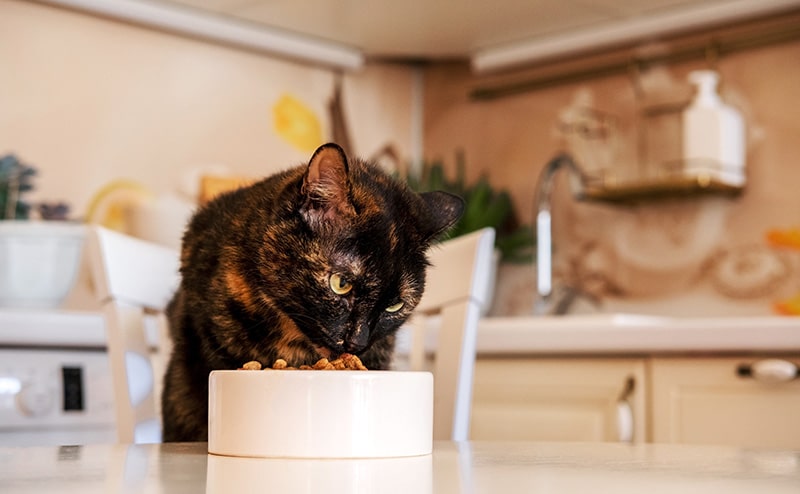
(358, 248)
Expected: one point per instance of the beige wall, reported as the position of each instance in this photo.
(678, 257)
(88, 100)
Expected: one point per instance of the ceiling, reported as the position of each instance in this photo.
(492, 34)
(461, 28)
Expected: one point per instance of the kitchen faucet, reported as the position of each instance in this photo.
(546, 302)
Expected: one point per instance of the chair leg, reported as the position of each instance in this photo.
(454, 369)
(124, 414)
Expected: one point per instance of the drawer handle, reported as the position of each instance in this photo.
(625, 418)
(769, 371)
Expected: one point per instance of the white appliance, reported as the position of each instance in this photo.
(55, 384)
(50, 397)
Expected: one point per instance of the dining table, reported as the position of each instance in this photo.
(452, 467)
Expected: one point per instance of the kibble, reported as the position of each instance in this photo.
(346, 361)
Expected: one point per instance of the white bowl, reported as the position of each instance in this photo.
(320, 414)
(39, 261)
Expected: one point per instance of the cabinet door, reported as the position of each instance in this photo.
(558, 399)
(715, 401)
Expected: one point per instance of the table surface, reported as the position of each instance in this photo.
(469, 467)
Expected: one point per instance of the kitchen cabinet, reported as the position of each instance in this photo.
(722, 401)
(697, 400)
(553, 399)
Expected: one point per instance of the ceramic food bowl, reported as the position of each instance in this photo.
(320, 413)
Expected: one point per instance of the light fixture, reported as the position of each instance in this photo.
(628, 30)
(223, 29)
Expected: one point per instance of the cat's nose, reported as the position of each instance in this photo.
(357, 340)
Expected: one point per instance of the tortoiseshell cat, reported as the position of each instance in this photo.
(312, 262)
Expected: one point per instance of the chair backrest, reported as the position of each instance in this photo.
(455, 292)
(134, 281)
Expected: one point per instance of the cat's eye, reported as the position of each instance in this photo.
(339, 284)
(394, 308)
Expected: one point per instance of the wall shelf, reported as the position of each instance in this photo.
(626, 193)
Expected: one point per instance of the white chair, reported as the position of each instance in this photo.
(458, 284)
(134, 280)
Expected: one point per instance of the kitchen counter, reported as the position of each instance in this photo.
(51, 328)
(475, 467)
(547, 335)
(626, 334)
(637, 334)
(59, 328)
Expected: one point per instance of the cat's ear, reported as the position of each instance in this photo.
(326, 185)
(444, 210)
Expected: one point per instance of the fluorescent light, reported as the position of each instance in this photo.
(627, 30)
(223, 29)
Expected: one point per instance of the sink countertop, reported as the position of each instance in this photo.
(636, 334)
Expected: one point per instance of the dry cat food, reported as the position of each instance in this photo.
(346, 361)
(252, 365)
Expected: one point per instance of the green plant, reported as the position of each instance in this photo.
(16, 178)
(484, 207)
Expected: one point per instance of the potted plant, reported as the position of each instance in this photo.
(484, 207)
(16, 178)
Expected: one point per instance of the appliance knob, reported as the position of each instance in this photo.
(35, 399)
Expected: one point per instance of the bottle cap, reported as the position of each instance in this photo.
(706, 82)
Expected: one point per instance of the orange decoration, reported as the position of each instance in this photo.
(789, 238)
(789, 306)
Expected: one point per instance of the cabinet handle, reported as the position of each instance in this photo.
(769, 371)
(625, 412)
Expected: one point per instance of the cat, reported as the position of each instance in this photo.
(315, 261)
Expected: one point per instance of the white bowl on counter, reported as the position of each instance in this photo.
(39, 261)
(320, 413)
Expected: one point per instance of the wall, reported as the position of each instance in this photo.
(692, 256)
(88, 100)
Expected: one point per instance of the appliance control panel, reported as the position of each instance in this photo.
(54, 389)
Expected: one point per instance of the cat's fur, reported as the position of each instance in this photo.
(256, 266)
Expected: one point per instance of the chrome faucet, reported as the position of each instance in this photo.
(545, 302)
